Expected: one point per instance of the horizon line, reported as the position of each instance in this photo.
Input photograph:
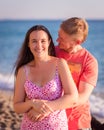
(45, 19)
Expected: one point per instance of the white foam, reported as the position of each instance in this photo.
(97, 105)
(6, 81)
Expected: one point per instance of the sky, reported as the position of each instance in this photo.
(51, 9)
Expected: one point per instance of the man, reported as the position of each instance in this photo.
(84, 67)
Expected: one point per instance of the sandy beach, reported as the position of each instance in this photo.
(9, 120)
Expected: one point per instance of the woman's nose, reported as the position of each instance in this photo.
(39, 44)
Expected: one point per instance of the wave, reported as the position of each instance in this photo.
(6, 81)
(97, 104)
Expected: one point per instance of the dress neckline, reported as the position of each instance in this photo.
(36, 84)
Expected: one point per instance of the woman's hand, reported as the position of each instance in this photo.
(40, 106)
(35, 116)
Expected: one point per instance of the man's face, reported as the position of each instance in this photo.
(65, 41)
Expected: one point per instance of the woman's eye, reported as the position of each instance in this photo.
(34, 41)
(43, 41)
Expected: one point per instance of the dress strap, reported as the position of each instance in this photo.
(26, 71)
(56, 71)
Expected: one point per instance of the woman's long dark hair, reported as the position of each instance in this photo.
(25, 55)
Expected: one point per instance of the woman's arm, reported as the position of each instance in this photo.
(20, 106)
(70, 96)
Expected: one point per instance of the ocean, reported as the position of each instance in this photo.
(12, 33)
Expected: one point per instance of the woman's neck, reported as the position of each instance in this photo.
(40, 61)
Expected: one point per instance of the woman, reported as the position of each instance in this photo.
(45, 80)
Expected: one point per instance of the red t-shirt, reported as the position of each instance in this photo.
(84, 67)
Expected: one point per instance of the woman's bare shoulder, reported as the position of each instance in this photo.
(62, 61)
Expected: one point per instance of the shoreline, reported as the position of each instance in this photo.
(9, 120)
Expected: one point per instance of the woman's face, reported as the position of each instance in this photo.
(39, 43)
(65, 41)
